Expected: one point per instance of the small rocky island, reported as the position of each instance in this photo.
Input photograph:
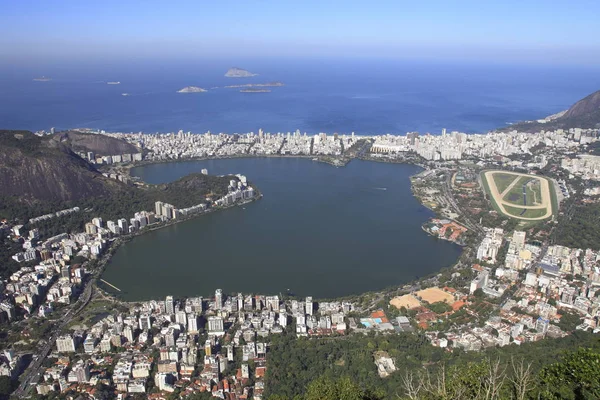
(255, 90)
(192, 89)
(238, 73)
(249, 85)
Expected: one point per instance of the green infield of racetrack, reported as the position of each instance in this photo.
(503, 181)
(517, 192)
(529, 213)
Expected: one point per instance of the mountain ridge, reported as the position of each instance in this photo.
(41, 174)
(96, 143)
(588, 105)
(584, 113)
(34, 168)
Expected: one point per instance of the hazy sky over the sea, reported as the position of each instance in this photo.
(533, 31)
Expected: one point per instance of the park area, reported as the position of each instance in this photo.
(521, 196)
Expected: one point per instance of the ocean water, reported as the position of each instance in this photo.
(362, 96)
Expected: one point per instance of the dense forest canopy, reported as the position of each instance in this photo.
(296, 364)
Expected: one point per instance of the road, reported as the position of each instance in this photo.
(447, 187)
(34, 371)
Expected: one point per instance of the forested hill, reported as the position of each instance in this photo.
(39, 175)
(344, 368)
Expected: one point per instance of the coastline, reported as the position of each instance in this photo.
(144, 163)
(342, 163)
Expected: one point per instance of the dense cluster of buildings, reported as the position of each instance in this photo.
(55, 278)
(445, 229)
(173, 146)
(564, 281)
(54, 214)
(112, 159)
(490, 245)
(217, 345)
(447, 146)
(586, 166)
(458, 145)
(54, 273)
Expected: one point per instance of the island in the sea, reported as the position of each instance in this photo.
(255, 90)
(238, 73)
(42, 79)
(192, 89)
(247, 85)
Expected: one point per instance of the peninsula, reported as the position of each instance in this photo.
(192, 89)
(238, 73)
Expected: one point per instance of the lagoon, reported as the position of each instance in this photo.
(319, 230)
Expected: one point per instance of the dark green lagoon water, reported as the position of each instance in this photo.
(318, 230)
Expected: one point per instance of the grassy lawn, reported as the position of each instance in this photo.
(536, 213)
(502, 181)
(515, 195)
(516, 212)
(533, 191)
(513, 211)
(94, 311)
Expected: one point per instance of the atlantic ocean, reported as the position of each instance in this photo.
(344, 95)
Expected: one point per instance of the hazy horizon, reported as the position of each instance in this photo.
(532, 32)
(389, 66)
(330, 95)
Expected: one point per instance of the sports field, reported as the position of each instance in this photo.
(435, 294)
(408, 301)
(520, 196)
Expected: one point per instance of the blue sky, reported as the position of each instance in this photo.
(548, 31)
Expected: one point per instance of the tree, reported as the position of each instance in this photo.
(325, 388)
(5, 386)
(576, 376)
(569, 320)
(522, 379)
